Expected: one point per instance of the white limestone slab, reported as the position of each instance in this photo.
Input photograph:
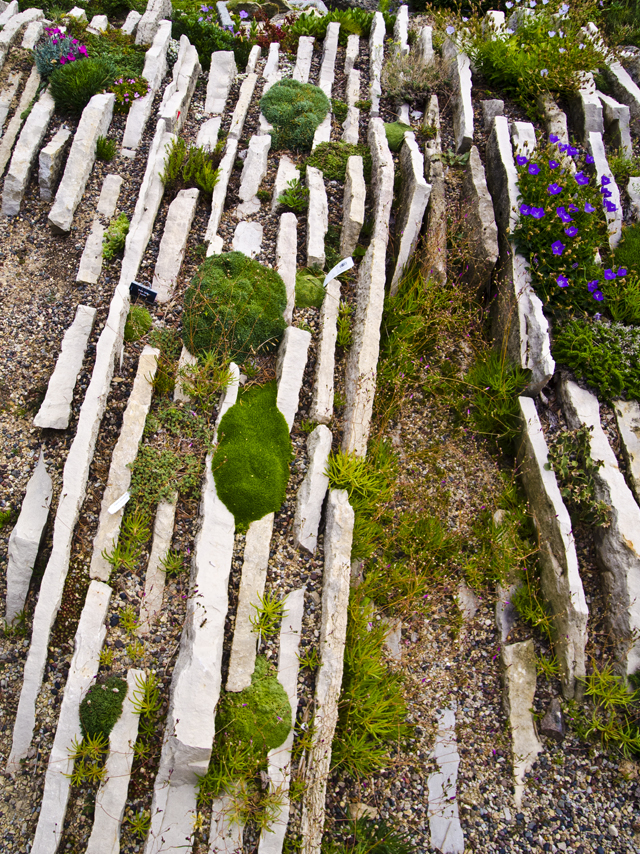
(109, 195)
(124, 455)
(94, 122)
(8, 94)
(458, 68)
(253, 172)
(286, 174)
(351, 54)
(444, 823)
(155, 68)
(335, 602)
(424, 47)
(414, 198)
(351, 127)
(353, 87)
(322, 395)
(595, 146)
(292, 360)
(401, 31)
(177, 96)
(624, 89)
(154, 580)
(55, 410)
(254, 56)
(271, 65)
(225, 835)
(14, 26)
(91, 260)
(32, 35)
(242, 106)
(312, 490)
(585, 109)
(376, 60)
(208, 133)
(9, 12)
(322, 132)
(555, 120)
(222, 73)
(286, 255)
(98, 24)
(50, 162)
(220, 190)
(303, 59)
(84, 667)
(25, 538)
(353, 206)
(111, 797)
(479, 224)
(617, 124)
(329, 51)
(13, 128)
(519, 661)
(317, 217)
(151, 20)
(174, 243)
(25, 154)
(131, 22)
(247, 238)
(633, 191)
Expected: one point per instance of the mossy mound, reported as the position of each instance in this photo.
(102, 706)
(260, 715)
(395, 132)
(331, 158)
(251, 463)
(295, 110)
(233, 307)
(309, 289)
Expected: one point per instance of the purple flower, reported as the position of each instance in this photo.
(589, 159)
(592, 285)
(450, 30)
(554, 189)
(606, 193)
(571, 231)
(525, 210)
(573, 208)
(610, 207)
(537, 213)
(557, 248)
(553, 137)
(609, 275)
(571, 151)
(521, 160)
(598, 296)
(622, 271)
(200, 18)
(533, 169)
(244, 14)
(563, 147)
(563, 281)
(588, 208)
(562, 213)
(581, 178)
(605, 180)
(553, 164)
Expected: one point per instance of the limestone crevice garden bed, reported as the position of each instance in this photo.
(578, 798)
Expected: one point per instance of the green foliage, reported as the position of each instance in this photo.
(372, 710)
(138, 323)
(158, 473)
(191, 166)
(627, 253)
(621, 19)
(606, 355)
(115, 237)
(370, 837)
(128, 619)
(233, 307)
(295, 110)
(614, 714)
(74, 84)
(622, 299)
(55, 50)
(395, 132)
(491, 388)
(570, 458)
(88, 759)
(205, 381)
(268, 616)
(146, 697)
(530, 62)
(105, 149)
(295, 197)
(167, 341)
(548, 667)
(364, 106)
(128, 550)
(140, 824)
(339, 109)
(529, 603)
(5, 516)
(623, 167)
(102, 706)
(251, 463)
(128, 90)
(406, 78)
(206, 35)
(309, 288)
(353, 21)
(331, 158)
(173, 563)
(344, 336)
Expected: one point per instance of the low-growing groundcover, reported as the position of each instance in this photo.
(102, 706)
(331, 159)
(251, 463)
(233, 307)
(295, 110)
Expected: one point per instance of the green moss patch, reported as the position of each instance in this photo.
(251, 463)
(233, 307)
(395, 132)
(102, 706)
(331, 158)
(309, 289)
(295, 110)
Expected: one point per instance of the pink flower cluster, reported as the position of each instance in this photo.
(69, 49)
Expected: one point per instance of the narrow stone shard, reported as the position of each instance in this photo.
(479, 223)
(458, 69)
(152, 19)
(355, 195)
(91, 261)
(7, 95)
(414, 198)
(155, 575)
(287, 174)
(25, 539)
(351, 54)
(322, 396)
(376, 60)
(286, 255)
(253, 172)
(109, 195)
(242, 106)
(55, 411)
(155, 68)
(208, 133)
(292, 360)
(617, 124)
(444, 824)
(595, 147)
(177, 95)
(186, 359)
(317, 218)
(247, 238)
(174, 243)
(50, 162)
(329, 51)
(303, 59)
(519, 660)
(222, 73)
(13, 128)
(312, 490)
(220, 189)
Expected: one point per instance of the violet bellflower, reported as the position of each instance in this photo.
(533, 169)
(562, 281)
(581, 179)
(562, 213)
(554, 189)
(521, 160)
(571, 231)
(593, 286)
(557, 248)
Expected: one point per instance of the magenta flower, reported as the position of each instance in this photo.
(554, 189)
(563, 281)
(521, 160)
(533, 169)
(557, 248)
(581, 178)
(571, 231)
(62, 60)
(609, 275)
(71, 58)
(82, 49)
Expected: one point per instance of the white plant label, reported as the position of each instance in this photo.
(338, 270)
(119, 504)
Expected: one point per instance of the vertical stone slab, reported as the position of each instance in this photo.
(151, 20)
(220, 190)
(444, 823)
(286, 255)
(376, 60)
(628, 419)
(177, 96)
(13, 128)
(479, 223)
(519, 660)
(353, 87)
(254, 56)
(124, 455)
(94, 122)
(333, 631)
(50, 162)
(625, 90)
(91, 261)
(155, 576)
(595, 146)
(55, 410)
(247, 238)
(303, 59)
(322, 398)
(292, 360)
(131, 22)
(585, 110)
(174, 243)
(222, 73)
(109, 195)
(555, 120)
(317, 218)
(329, 51)
(351, 127)
(271, 65)
(111, 798)
(458, 69)
(253, 172)
(435, 240)
(355, 194)
(242, 106)
(617, 124)
(424, 47)
(323, 132)
(351, 54)
(8, 94)
(561, 583)
(155, 68)
(84, 667)
(312, 490)
(186, 359)
(414, 198)
(208, 133)
(401, 31)
(25, 539)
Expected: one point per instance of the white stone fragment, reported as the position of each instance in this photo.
(174, 243)
(353, 87)
(32, 35)
(78, 13)
(493, 24)
(91, 260)
(109, 195)
(444, 824)
(25, 154)
(633, 191)
(220, 189)
(286, 257)
(253, 172)
(458, 70)
(95, 121)
(111, 797)
(424, 47)
(414, 198)
(351, 126)
(479, 224)
(292, 360)
(242, 106)
(362, 359)
(287, 173)
(98, 24)
(271, 65)
(279, 759)
(13, 128)
(561, 583)
(131, 22)
(323, 132)
(490, 109)
(625, 90)
(555, 119)
(247, 238)
(312, 490)
(84, 667)
(50, 162)
(523, 137)
(150, 22)
(151, 604)
(124, 455)
(353, 206)
(186, 360)
(595, 147)
(242, 660)
(24, 541)
(9, 12)
(208, 133)
(519, 660)
(14, 26)
(303, 59)
(335, 602)
(628, 418)
(177, 96)
(322, 395)
(618, 546)
(55, 411)
(8, 94)
(376, 59)
(329, 51)
(222, 73)
(616, 124)
(254, 56)
(401, 31)
(317, 218)
(351, 54)
(155, 68)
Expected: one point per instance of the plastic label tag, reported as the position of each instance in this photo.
(119, 504)
(338, 270)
